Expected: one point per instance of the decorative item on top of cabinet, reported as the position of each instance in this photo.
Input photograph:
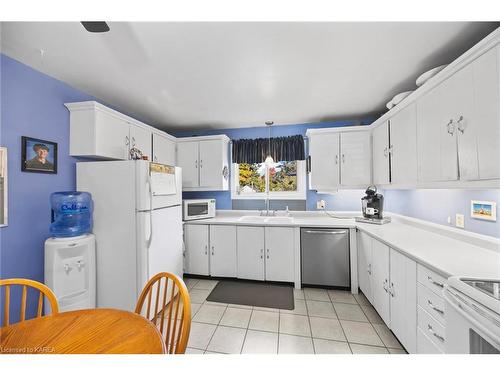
(204, 161)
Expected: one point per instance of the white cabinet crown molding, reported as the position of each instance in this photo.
(92, 104)
(222, 137)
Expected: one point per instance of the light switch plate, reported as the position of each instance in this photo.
(320, 205)
(459, 221)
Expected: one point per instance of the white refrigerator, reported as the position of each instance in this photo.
(137, 224)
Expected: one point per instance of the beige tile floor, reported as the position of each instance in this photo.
(323, 322)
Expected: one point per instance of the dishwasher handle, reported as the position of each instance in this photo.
(333, 232)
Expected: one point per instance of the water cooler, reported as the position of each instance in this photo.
(70, 261)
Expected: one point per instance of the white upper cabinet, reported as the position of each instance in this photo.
(487, 112)
(211, 165)
(204, 162)
(99, 132)
(187, 159)
(355, 156)
(339, 159)
(458, 124)
(403, 146)
(163, 149)
(140, 138)
(381, 155)
(324, 149)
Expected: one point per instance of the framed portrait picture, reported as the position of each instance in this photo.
(38, 156)
(483, 210)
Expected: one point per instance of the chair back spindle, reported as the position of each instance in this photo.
(43, 291)
(172, 315)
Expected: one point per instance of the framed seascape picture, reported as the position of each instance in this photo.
(3, 186)
(483, 210)
(38, 156)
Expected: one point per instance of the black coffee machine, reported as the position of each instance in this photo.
(372, 204)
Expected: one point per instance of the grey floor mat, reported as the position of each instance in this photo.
(253, 294)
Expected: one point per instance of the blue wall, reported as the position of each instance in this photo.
(32, 105)
(437, 204)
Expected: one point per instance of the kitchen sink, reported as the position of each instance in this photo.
(266, 219)
(279, 220)
(252, 219)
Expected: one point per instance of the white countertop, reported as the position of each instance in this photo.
(445, 250)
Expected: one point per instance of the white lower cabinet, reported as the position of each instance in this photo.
(245, 252)
(389, 281)
(380, 278)
(223, 261)
(365, 265)
(403, 292)
(250, 252)
(196, 249)
(279, 261)
(431, 320)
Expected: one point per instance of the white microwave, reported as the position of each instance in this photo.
(194, 209)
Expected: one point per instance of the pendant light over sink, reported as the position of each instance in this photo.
(269, 159)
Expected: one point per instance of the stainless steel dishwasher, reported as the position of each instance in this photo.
(325, 257)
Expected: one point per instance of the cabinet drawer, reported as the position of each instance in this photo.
(431, 328)
(430, 279)
(431, 303)
(425, 345)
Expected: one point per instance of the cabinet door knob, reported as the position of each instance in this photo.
(461, 124)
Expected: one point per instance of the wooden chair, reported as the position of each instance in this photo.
(44, 291)
(165, 315)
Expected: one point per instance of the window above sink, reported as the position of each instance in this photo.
(286, 180)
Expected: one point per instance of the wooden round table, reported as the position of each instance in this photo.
(95, 331)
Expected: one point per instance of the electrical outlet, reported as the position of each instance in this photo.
(320, 205)
(459, 221)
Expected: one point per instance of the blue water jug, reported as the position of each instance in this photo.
(71, 213)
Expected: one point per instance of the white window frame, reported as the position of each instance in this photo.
(299, 194)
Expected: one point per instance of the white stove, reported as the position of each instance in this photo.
(473, 316)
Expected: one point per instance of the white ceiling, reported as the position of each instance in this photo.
(228, 75)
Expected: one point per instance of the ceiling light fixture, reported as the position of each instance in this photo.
(269, 159)
(95, 26)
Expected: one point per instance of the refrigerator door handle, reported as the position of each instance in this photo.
(150, 239)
